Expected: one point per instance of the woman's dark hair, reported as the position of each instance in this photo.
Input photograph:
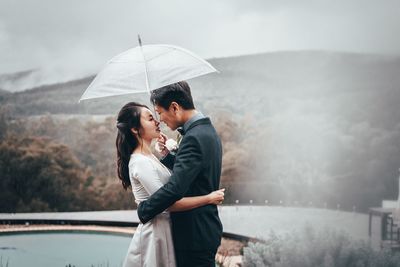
(178, 92)
(127, 142)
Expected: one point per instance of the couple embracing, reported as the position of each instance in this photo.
(177, 195)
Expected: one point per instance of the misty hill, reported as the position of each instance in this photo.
(18, 81)
(343, 84)
(4, 92)
(32, 78)
(323, 122)
(15, 76)
(256, 82)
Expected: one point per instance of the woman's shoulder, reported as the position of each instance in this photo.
(138, 158)
(140, 162)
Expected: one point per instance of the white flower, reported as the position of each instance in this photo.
(171, 144)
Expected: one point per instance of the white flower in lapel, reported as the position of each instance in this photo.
(171, 144)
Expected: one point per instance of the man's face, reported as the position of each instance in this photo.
(169, 117)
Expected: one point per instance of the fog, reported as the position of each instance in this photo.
(64, 40)
(311, 116)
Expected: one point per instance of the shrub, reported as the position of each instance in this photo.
(323, 248)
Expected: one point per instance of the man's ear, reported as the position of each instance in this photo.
(175, 107)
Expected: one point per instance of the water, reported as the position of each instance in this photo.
(86, 249)
(258, 221)
(61, 249)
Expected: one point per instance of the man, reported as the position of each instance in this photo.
(196, 171)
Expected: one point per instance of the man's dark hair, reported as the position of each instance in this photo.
(178, 92)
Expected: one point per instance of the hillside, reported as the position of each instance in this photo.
(326, 123)
(4, 92)
(17, 81)
(258, 84)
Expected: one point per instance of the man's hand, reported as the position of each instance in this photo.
(161, 145)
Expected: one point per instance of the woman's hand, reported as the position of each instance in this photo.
(216, 197)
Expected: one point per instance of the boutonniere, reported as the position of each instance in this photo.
(171, 145)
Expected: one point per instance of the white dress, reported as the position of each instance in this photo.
(151, 245)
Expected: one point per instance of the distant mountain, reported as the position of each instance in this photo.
(33, 78)
(14, 76)
(4, 92)
(17, 81)
(259, 84)
(325, 122)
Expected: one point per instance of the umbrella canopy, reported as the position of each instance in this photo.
(145, 68)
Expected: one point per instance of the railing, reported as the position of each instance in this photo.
(389, 230)
(294, 204)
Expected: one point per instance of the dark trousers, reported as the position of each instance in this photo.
(190, 258)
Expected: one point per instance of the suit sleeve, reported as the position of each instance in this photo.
(188, 164)
(169, 160)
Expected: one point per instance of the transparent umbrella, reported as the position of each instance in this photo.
(145, 68)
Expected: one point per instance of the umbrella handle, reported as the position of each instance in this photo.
(145, 66)
(139, 40)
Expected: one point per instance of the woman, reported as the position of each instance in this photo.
(138, 167)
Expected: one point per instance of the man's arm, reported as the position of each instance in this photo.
(168, 160)
(188, 164)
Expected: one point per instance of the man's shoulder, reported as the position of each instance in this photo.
(203, 133)
(202, 121)
(200, 125)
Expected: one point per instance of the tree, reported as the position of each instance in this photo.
(39, 171)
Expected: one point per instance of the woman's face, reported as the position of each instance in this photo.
(150, 126)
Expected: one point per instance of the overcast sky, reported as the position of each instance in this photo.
(81, 35)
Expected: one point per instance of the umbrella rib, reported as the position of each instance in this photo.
(145, 68)
(162, 54)
(147, 59)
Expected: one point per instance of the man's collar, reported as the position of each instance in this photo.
(194, 118)
(180, 130)
(198, 116)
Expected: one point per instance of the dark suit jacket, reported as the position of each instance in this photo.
(196, 171)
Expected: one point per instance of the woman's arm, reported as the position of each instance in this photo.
(189, 203)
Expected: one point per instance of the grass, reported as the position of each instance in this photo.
(6, 264)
